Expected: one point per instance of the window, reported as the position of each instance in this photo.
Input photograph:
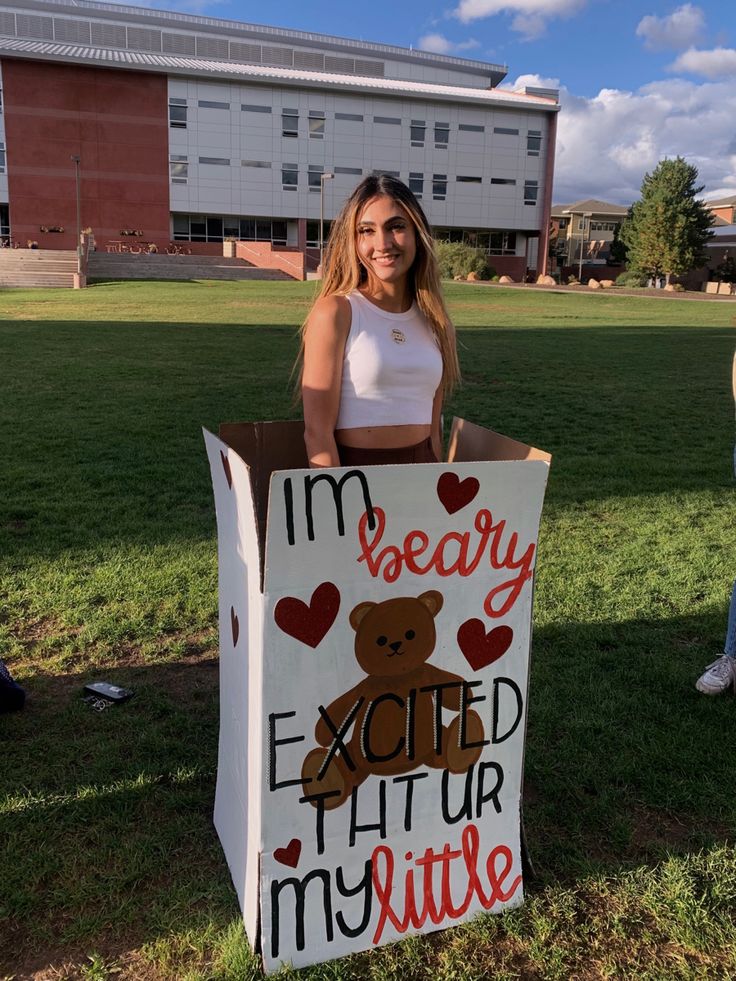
(533, 142)
(1, 100)
(181, 228)
(603, 226)
(505, 131)
(313, 233)
(231, 227)
(351, 117)
(441, 135)
(449, 234)
(197, 228)
(439, 187)
(214, 229)
(289, 177)
(290, 122)
(349, 170)
(2, 158)
(417, 132)
(316, 125)
(314, 177)
(469, 180)
(503, 180)
(215, 161)
(178, 113)
(256, 163)
(531, 190)
(416, 184)
(387, 120)
(204, 104)
(469, 128)
(255, 109)
(502, 243)
(178, 169)
(388, 173)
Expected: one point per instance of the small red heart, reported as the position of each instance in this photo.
(480, 648)
(234, 625)
(309, 624)
(226, 468)
(455, 493)
(289, 855)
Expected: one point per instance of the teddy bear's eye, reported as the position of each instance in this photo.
(410, 635)
(382, 641)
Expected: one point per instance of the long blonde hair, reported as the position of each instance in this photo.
(343, 271)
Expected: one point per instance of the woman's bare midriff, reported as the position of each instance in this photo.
(382, 437)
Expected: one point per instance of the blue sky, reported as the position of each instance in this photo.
(639, 80)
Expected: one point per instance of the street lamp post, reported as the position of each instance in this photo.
(584, 215)
(322, 179)
(77, 166)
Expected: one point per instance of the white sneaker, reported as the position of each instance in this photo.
(718, 676)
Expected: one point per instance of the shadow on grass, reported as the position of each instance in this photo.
(107, 826)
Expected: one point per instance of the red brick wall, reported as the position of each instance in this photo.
(116, 121)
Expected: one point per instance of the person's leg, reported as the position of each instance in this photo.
(12, 696)
(721, 674)
(730, 645)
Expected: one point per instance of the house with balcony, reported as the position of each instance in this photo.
(583, 231)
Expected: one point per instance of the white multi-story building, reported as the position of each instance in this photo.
(196, 129)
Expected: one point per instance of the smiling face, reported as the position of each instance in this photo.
(385, 240)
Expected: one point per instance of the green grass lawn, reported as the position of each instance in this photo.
(109, 864)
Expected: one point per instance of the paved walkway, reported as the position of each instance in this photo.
(644, 293)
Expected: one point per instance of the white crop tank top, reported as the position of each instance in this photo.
(391, 369)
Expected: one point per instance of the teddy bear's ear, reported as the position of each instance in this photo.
(359, 612)
(432, 600)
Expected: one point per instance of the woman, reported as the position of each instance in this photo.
(378, 347)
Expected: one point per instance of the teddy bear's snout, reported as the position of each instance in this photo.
(395, 648)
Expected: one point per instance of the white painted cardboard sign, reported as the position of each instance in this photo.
(374, 672)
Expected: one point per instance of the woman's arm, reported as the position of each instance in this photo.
(324, 347)
(436, 433)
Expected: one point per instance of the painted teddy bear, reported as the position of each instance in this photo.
(392, 714)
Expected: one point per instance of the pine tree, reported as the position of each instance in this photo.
(668, 227)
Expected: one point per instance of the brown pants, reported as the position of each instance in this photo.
(351, 456)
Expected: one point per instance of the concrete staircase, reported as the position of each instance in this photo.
(105, 266)
(37, 267)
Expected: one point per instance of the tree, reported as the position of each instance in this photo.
(618, 250)
(668, 227)
(726, 271)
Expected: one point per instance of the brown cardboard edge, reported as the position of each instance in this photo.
(265, 447)
(470, 443)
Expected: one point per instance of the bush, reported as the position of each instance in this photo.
(631, 278)
(457, 259)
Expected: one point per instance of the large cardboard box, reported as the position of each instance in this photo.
(375, 632)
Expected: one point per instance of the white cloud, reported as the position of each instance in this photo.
(530, 26)
(718, 62)
(680, 29)
(439, 44)
(530, 16)
(607, 143)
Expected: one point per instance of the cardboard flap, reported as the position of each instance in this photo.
(470, 443)
(265, 447)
